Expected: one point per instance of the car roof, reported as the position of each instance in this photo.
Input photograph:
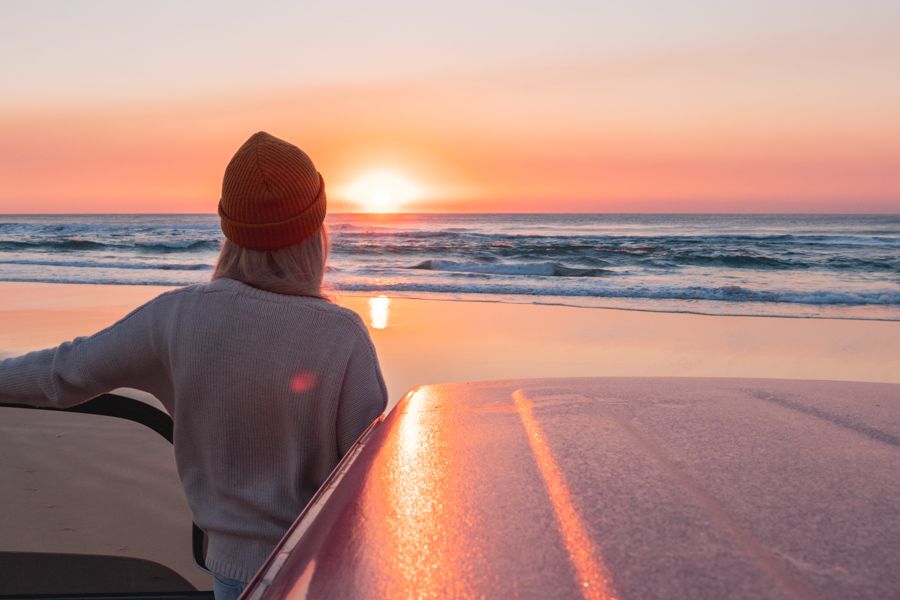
(605, 487)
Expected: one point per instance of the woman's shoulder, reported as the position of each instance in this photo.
(178, 293)
(335, 313)
(341, 314)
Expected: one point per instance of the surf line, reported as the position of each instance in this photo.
(588, 564)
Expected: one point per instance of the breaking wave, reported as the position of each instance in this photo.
(545, 269)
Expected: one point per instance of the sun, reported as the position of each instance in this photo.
(382, 191)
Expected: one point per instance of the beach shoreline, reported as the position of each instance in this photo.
(423, 341)
(714, 309)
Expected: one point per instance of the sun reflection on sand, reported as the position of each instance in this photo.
(379, 311)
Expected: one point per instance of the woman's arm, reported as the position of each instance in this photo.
(363, 393)
(126, 354)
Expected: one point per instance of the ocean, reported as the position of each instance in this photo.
(824, 266)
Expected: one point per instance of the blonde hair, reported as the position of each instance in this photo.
(296, 270)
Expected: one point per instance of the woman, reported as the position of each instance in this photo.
(268, 383)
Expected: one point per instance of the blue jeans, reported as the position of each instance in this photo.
(227, 589)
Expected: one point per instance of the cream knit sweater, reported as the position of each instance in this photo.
(267, 392)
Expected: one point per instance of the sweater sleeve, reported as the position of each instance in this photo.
(125, 354)
(363, 394)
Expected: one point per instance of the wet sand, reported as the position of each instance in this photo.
(419, 342)
(430, 341)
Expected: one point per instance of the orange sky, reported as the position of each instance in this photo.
(764, 121)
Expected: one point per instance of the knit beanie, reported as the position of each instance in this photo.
(272, 195)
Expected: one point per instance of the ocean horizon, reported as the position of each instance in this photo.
(791, 265)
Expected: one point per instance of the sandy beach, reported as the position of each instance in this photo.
(435, 341)
(419, 342)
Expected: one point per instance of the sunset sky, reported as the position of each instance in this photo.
(487, 106)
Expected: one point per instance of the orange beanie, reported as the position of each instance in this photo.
(272, 195)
